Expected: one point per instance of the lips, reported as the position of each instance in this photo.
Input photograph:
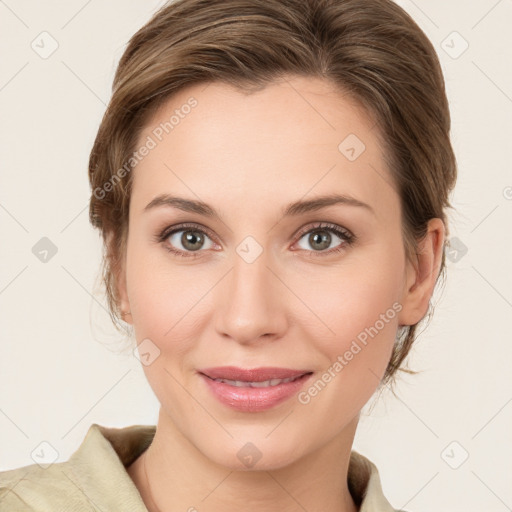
(253, 390)
(233, 373)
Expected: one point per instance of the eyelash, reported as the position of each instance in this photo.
(342, 233)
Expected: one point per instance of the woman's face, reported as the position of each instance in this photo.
(267, 278)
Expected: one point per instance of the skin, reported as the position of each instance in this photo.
(248, 156)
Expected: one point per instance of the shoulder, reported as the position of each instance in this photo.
(33, 488)
(94, 477)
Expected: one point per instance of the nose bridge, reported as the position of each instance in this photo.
(251, 274)
(252, 300)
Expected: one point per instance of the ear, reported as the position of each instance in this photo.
(118, 267)
(421, 274)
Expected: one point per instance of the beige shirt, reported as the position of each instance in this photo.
(95, 478)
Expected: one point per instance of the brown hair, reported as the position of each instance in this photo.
(370, 49)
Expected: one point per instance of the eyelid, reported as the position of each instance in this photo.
(324, 225)
(168, 231)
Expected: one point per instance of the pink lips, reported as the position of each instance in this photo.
(253, 399)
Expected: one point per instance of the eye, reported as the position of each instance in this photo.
(185, 240)
(320, 238)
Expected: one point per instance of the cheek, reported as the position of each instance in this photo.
(356, 318)
(160, 295)
(363, 314)
(162, 300)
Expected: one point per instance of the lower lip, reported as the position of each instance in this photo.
(247, 399)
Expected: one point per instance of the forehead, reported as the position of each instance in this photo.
(291, 137)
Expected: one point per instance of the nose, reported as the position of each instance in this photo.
(250, 305)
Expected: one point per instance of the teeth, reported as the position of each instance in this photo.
(264, 384)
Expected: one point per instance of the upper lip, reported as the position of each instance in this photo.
(252, 374)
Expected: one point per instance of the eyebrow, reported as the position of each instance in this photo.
(293, 209)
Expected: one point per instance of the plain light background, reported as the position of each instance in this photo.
(62, 364)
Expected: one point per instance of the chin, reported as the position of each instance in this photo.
(253, 453)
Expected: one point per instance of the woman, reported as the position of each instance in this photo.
(270, 180)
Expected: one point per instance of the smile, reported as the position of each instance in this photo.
(263, 384)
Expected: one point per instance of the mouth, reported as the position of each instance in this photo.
(254, 384)
(255, 377)
(254, 390)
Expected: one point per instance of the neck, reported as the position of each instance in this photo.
(180, 477)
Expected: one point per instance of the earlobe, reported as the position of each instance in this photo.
(422, 274)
